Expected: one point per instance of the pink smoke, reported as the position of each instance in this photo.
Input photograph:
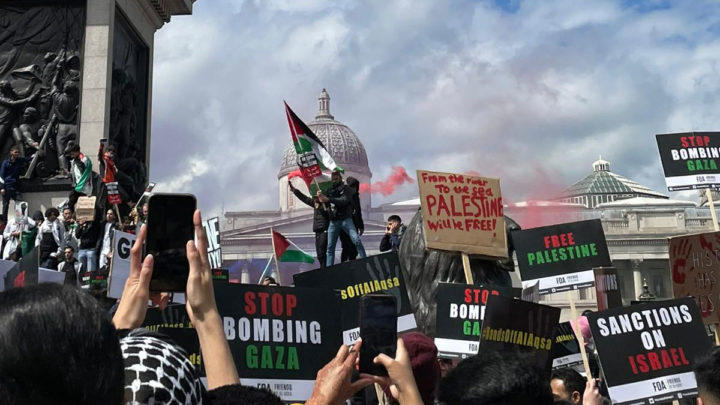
(398, 177)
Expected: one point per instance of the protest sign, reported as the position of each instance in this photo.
(113, 195)
(695, 267)
(279, 336)
(462, 213)
(5, 267)
(459, 313)
(24, 272)
(607, 288)
(690, 160)
(566, 350)
(120, 266)
(85, 208)
(513, 325)
(50, 276)
(561, 257)
(220, 274)
(353, 279)
(647, 351)
(212, 230)
(186, 338)
(173, 316)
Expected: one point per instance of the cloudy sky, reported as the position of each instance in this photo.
(528, 91)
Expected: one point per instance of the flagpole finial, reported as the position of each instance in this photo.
(324, 106)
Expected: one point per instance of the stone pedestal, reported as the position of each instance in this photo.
(90, 61)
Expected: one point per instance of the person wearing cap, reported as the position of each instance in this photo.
(81, 173)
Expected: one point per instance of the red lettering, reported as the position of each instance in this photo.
(631, 360)
(546, 239)
(250, 307)
(466, 205)
(485, 294)
(666, 362)
(442, 206)
(654, 361)
(263, 296)
(455, 213)
(706, 140)
(571, 239)
(430, 202)
(291, 303)
(684, 141)
(277, 304)
(675, 357)
(468, 296)
(642, 363)
(682, 356)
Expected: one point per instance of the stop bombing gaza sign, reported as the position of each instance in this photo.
(561, 257)
(690, 160)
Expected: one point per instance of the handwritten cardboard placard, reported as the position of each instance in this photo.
(85, 208)
(695, 267)
(462, 213)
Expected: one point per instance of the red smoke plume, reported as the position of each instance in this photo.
(398, 177)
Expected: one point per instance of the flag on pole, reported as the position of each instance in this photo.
(286, 251)
(313, 158)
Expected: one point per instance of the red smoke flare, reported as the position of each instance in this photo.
(397, 178)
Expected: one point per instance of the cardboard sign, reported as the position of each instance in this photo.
(120, 266)
(607, 288)
(513, 325)
(647, 351)
(459, 313)
(690, 160)
(561, 257)
(695, 268)
(85, 208)
(462, 213)
(113, 195)
(279, 336)
(566, 350)
(212, 230)
(353, 279)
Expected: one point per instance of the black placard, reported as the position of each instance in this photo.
(690, 160)
(566, 350)
(607, 288)
(353, 279)
(513, 325)
(279, 336)
(561, 257)
(25, 272)
(459, 314)
(647, 351)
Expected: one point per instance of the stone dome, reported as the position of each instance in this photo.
(342, 143)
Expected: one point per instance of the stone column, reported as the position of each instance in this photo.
(637, 276)
(97, 67)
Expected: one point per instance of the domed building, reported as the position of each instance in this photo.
(342, 144)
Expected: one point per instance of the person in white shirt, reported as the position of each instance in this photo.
(106, 241)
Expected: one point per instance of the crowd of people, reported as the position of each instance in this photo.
(58, 345)
(64, 243)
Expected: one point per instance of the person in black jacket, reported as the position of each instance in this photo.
(87, 234)
(320, 222)
(340, 197)
(393, 234)
(349, 252)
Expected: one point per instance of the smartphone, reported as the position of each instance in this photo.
(378, 330)
(169, 228)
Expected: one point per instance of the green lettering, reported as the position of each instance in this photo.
(593, 250)
(293, 363)
(563, 254)
(279, 351)
(554, 255)
(531, 258)
(251, 356)
(266, 358)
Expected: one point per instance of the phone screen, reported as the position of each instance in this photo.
(378, 330)
(169, 228)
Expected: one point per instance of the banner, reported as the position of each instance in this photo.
(695, 267)
(561, 257)
(24, 272)
(279, 336)
(113, 195)
(690, 160)
(647, 351)
(513, 325)
(187, 338)
(5, 267)
(173, 316)
(120, 265)
(459, 313)
(566, 350)
(462, 213)
(353, 279)
(212, 230)
(607, 288)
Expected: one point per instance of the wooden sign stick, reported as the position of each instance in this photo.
(466, 268)
(578, 334)
(711, 203)
(380, 394)
(717, 336)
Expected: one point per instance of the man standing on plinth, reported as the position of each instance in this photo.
(321, 221)
(81, 173)
(340, 198)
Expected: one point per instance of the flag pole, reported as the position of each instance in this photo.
(274, 254)
(265, 270)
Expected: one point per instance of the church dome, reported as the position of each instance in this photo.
(342, 143)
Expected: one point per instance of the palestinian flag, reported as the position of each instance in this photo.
(323, 181)
(314, 160)
(286, 251)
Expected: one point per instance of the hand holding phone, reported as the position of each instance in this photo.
(378, 331)
(169, 228)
